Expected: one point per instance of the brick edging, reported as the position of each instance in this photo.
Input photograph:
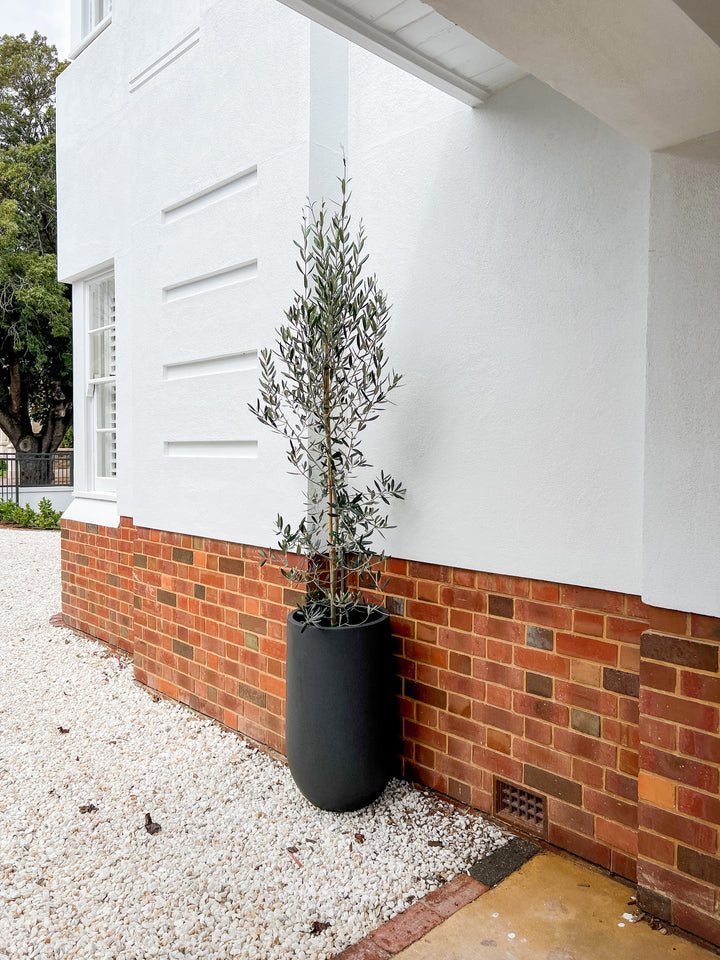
(401, 931)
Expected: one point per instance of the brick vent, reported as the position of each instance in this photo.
(520, 807)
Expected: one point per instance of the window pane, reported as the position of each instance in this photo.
(105, 453)
(102, 303)
(102, 354)
(93, 13)
(105, 406)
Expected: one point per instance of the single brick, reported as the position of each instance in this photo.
(658, 676)
(699, 865)
(685, 653)
(461, 792)
(538, 684)
(700, 745)
(698, 805)
(395, 606)
(183, 649)
(251, 641)
(255, 624)
(689, 713)
(426, 694)
(183, 556)
(406, 927)
(655, 904)
(199, 591)
(292, 598)
(698, 921)
(232, 566)
(619, 681)
(499, 741)
(556, 786)
(585, 722)
(164, 596)
(539, 637)
(587, 648)
(671, 767)
(251, 694)
(140, 560)
(366, 949)
(501, 606)
(112, 580)
(685, 829)
(700, 687)
(454, 894)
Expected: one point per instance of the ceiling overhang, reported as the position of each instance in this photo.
(648, 68)
(413, 36)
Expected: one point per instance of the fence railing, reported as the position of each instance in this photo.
(18, 470)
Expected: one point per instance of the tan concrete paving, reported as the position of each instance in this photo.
(553, 908)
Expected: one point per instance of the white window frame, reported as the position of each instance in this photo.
(96, 482)
(93, 13)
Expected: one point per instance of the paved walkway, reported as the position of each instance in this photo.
(552, 908)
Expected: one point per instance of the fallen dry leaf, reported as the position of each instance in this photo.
(151, 827)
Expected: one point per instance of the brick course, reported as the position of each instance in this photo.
(606, 707)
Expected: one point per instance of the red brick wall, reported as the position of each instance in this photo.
(532, 682)
(97, 580)
(209, 630)
(539, 684)
(679, 809)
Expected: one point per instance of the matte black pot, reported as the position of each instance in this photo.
(339, 723)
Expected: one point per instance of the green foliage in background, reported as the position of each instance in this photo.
(45, 518)
(35, 314)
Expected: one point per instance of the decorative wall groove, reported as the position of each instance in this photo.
(217, 449)
(211, 366)
(237, 273)
(213, 194)
(170, 56)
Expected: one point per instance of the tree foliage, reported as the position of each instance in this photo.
(35, 315)
(321, 386)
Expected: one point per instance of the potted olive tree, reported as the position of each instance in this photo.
(325, 380)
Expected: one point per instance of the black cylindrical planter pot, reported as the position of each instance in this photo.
(339, 719)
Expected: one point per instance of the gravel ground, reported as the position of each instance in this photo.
(242, 867)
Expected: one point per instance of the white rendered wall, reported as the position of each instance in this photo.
(511, 239)
(183, 159)
(512, 242)
(59, 497)
(682, 457)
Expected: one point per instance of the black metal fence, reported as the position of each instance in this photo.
(19, 470)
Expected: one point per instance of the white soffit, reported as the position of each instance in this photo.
(413, 36)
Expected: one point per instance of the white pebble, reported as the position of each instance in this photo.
(217, 882)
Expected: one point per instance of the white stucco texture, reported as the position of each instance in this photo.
(199, 115)
(512, 243)
(682, 457)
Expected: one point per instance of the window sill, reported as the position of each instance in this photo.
(87, 40)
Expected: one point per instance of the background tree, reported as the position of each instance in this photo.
(35, 314)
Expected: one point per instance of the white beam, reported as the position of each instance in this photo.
(344, 22)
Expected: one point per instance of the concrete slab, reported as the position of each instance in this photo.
(553, 908)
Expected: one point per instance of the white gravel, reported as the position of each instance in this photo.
(219, 879)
